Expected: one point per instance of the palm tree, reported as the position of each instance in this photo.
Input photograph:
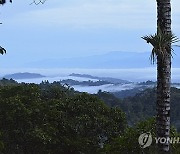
(163, 74)
(161, 53)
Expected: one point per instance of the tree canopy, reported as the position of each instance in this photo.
(49, 118)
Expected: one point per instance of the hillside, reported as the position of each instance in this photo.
(25, 75)
(142, 105)
(108, 79)
(54, 119)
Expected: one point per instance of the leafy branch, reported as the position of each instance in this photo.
(4, 1)
(39, 2)
(2, 50)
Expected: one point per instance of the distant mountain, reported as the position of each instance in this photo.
(84, 76)
(25, 75)
(107, 79)
(111, 60)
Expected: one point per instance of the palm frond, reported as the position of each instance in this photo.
(161, 43)
(2, 50)
(153, 56)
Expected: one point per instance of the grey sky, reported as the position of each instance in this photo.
(73, 28)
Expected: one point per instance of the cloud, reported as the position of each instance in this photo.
(94, 13)
(122, 14)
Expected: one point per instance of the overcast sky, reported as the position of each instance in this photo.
(73, 28)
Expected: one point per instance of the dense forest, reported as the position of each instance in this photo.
(53, 118)
(143, 105)
(50, 118)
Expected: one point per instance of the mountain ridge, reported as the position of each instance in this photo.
(108, 79)
(110, 60)
(24, 75)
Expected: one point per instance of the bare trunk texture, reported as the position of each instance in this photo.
(163, 76)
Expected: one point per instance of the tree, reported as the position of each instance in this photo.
(2, 50)
(127, 143)
(161, 52)
(34, 1)
(50, 118)
(163, 74)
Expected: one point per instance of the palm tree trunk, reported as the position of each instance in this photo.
(163, 99)
(163, 76)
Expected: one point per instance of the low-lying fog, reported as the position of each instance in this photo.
(133, 75)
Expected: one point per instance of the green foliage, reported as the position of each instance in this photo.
(128, 142)
(6, 82)
(51, 118)
(143, 105)
(109, 98)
